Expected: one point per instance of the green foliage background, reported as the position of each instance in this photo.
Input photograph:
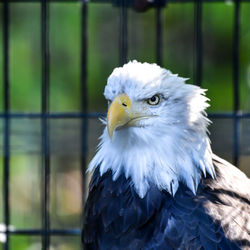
(65, 91)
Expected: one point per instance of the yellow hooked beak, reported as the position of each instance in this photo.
(121, 114)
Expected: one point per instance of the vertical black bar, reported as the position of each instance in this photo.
(236, 48)
(198, 42)
(84, 103)
(6, 138)
(45, 125)
(123, 33)
(159, 37)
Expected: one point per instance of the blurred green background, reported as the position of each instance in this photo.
(103, 56)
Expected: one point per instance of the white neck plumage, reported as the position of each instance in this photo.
(157, 156)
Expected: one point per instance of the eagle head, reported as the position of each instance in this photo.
(156, 129)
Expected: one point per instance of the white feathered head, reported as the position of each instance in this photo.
(156, 130)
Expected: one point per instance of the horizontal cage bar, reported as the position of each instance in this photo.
(115, 1)
(102, 115)
(69, 231)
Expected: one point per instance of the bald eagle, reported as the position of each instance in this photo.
(156, 183)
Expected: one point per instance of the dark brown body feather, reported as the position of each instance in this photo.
(217, 217)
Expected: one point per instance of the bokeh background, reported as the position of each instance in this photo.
(103, 56)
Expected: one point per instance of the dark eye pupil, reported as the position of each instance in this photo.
(153, 99)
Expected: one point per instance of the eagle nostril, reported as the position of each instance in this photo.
(124, 104)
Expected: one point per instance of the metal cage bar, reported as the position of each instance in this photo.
(84, 108)
(198, 42)
(32, 232)
(123, 33)
(45, 125)
(236, 48)
(129, 2)
(159, 35)
(6, 158)
(72, 115)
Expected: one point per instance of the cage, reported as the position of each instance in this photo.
(56, 56)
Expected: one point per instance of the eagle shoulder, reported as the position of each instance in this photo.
(228, 201)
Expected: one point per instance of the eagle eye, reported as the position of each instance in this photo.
(154, 100)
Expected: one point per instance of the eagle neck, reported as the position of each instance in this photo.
(164, 162)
